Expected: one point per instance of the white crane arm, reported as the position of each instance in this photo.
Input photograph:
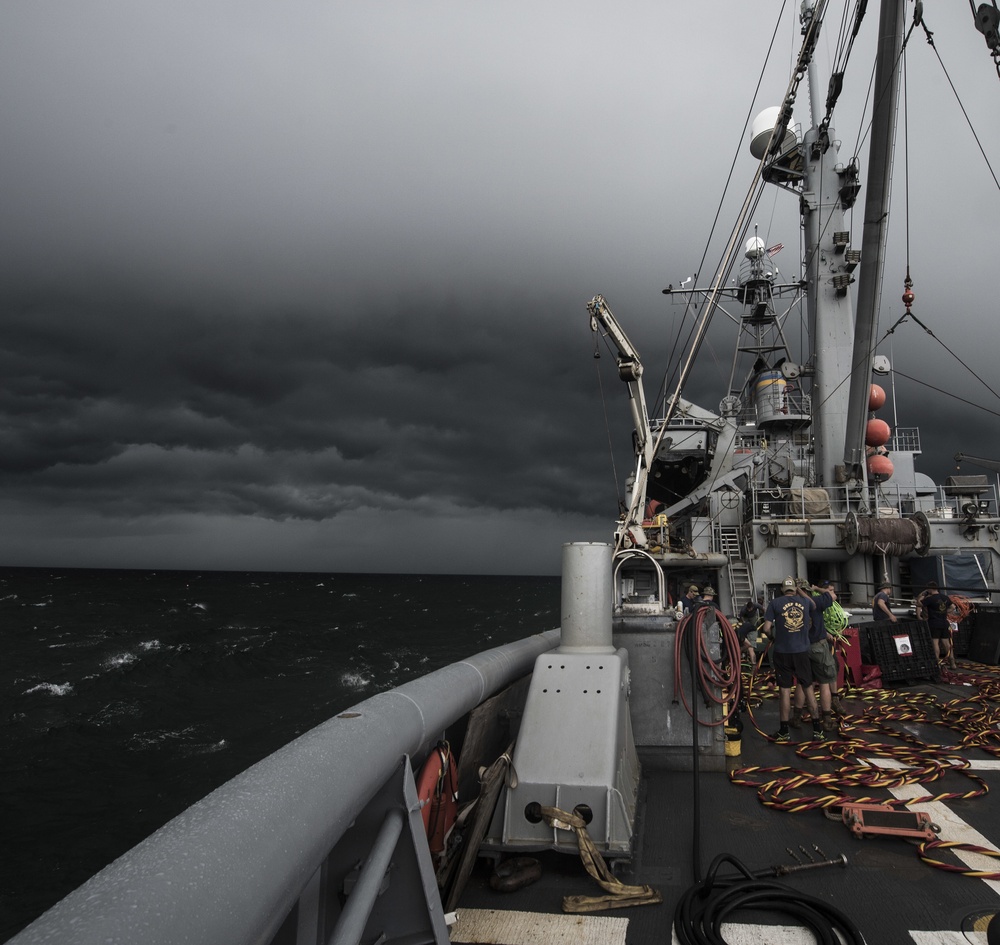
(629, 370)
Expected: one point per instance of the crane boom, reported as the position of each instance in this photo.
(978, 461)
(629, 370)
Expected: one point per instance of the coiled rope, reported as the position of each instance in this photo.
(887, 714)
(962, 605)
(887, 536)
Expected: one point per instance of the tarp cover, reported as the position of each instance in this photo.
(969, 575)
(810, 501)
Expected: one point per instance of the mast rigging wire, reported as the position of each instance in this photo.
(958, 98)
(607, 419)
(939, 390)
(670, 374)
(918, 21)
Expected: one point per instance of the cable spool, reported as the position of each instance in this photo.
(888, 536)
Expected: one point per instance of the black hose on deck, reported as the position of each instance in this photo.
(703, 908)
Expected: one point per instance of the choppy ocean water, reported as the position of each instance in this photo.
(129, 695)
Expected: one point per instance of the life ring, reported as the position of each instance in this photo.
(437, 790)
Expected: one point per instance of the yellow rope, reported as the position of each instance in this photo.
(974, 720)
(955, 845)
(619, 895)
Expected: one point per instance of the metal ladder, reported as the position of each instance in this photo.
(740, 577)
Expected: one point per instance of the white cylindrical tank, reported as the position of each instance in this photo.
(771, 398)
(586, 595)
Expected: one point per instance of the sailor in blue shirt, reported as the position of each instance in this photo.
(936, 606)
(880, 604)
(791, 617)
(824, 663)
(688, 600)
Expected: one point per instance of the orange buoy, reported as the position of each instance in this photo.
(876, 397)
(437, 789)
(877, 433)
(880, 467)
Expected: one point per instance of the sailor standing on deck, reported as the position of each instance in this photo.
(824, 663)
(880, 605)
(791, 616)
(937, 605)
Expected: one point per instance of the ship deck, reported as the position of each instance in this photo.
(890, 894)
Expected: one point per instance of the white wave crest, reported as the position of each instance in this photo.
(355, 681)
(53, 689)
(118, 660)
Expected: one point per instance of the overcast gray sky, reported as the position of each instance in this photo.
(302, 286)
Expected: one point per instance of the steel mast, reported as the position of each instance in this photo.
(875, 225)
(828, 189)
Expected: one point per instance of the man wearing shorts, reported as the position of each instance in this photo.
(824, 663)
(791, 617)
(936, 606)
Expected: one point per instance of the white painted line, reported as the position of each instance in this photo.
(990, 764)
(948, 938)
(739, 933)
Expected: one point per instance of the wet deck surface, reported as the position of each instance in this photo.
(885, 889)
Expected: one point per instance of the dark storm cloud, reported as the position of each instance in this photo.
(303, 415)
(326, 267)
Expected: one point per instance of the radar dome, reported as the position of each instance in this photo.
(755, 248)
(760, 133)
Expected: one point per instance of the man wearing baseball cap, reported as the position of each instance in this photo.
(791, 616)
(880, 604)
(687, 601)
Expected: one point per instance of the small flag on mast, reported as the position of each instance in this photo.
(775, 249)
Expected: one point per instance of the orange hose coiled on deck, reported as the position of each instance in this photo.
(962, 604)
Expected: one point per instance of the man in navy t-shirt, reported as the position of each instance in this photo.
(880, 605)
(791, 617)
(824, 663)
(687, 601)
(936, 606)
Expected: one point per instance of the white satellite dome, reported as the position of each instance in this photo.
(754, 248)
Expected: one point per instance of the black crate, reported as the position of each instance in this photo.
(984, 644)
(962, 637)
(902, 650)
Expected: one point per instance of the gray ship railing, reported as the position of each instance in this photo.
(894, 500)
(268, 856)
(905, 439)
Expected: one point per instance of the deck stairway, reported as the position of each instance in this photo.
(731, 544)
